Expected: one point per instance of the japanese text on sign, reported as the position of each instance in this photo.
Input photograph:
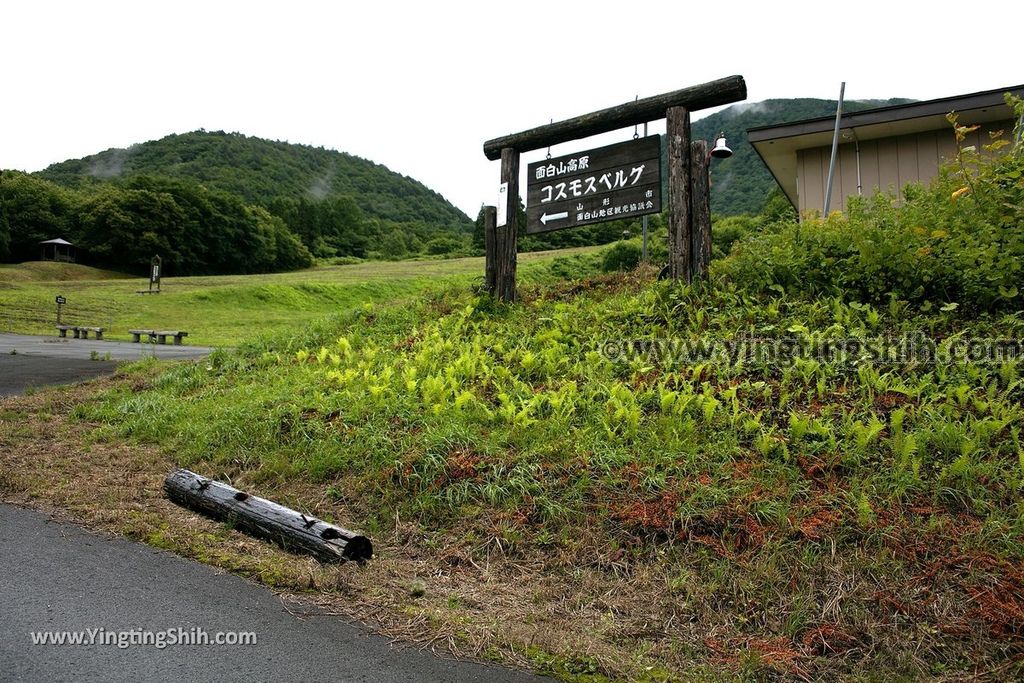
(618, 181)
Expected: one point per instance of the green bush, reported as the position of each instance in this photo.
(727, 231)
(444, 245)
(624, 255)
(958, 241)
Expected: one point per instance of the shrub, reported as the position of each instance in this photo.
(726, 231)
(624, 255)
(444, 245)
(958, 241)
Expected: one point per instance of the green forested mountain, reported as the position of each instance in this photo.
(215, 202)
(741, 183)
(262, 171)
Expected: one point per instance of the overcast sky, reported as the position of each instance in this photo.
(419, 86)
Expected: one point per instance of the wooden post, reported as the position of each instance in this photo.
(679, 233)
(700, 209)
(490, 258)
(507, 235)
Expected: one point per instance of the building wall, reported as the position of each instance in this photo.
(886, 164)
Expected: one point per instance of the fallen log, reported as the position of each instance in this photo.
(266, 519)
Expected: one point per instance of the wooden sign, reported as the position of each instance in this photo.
(606, 184)
(61, 301)
(614, 182)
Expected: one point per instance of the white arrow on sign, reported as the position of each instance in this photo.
(553, 217)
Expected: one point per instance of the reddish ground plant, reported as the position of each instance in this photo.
(462, 464)
(819, 523)
(777, 653)
(829, 639)
(658, 515)
(1000, 607)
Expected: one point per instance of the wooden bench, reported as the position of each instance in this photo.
(158, 336)
(79, 332)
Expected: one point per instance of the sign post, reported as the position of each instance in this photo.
(700, 209)
(618, 181)
(677, 122)
(154, 273)
(60, 303)
(490, 220)
(506, 237)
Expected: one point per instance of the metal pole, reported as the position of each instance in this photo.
(643, 253)
(835, 148)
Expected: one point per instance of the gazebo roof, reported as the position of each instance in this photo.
(59, 241)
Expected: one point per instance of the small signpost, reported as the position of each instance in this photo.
(154, 273)
(60, 303)
(610, 183)
(605, 184)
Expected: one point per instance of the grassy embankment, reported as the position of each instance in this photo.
(797, 519)
(536, 501)
(219, 310)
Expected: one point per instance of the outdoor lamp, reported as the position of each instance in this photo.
(720, 150)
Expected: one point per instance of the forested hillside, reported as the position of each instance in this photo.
(194, 229)
(741, 183)
(212, 203)
(262, 171)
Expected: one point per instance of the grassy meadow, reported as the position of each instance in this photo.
(223, 310)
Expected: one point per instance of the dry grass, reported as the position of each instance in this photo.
(445, 601)
(690, 610)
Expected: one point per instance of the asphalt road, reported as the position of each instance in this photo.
(34, 361)
(58, 577)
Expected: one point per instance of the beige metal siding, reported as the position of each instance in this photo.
(845, 182)
(809, 168)
(869, 164)
(886, 165)
(906, 160)
(927, 156)
(888, 155)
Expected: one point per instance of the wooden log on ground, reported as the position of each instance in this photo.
(700, 210)
(288, 528)
(710, 94)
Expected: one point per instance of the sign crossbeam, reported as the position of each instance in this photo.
(711, 94)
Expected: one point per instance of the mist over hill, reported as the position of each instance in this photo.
(215, 202)
(261, 171)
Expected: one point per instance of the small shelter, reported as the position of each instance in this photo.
(57, 250)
